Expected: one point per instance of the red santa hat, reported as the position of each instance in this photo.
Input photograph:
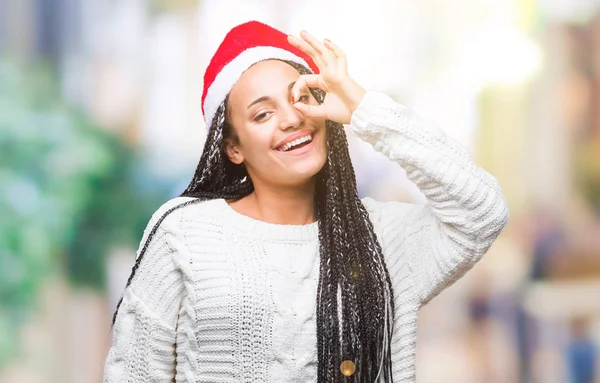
(243, 46)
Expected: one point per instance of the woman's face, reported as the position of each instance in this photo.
(275, 142)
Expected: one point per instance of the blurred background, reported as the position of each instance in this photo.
(100, 122)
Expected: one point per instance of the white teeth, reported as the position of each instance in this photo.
(297, 142)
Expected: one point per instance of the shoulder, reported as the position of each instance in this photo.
(177, 217)
(171, 213)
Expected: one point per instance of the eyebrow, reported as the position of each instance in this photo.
(267, 98)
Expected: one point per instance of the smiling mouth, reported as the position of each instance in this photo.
(296, 144)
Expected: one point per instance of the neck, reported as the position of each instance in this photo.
(284, 206)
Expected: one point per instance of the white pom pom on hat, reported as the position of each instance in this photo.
(244, 45)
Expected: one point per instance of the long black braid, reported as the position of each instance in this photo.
(352, 266)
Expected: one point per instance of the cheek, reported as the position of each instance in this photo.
(256, 147)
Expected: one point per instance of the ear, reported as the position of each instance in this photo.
(233, 152)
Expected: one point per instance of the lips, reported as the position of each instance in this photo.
(301, 149)
(296, 143)
(295, 140)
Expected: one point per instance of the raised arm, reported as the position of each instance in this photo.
(466, 211)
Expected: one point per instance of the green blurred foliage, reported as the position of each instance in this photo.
(69, 191)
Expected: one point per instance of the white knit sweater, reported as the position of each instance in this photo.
(221, 297)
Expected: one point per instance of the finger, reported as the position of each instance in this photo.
(305, 47)
(321, 55)
(302, 45)
(308, 81)
(313, 42)
(327, 56)
(313, 111)
(334, 48)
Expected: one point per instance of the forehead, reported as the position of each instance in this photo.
(264, 78)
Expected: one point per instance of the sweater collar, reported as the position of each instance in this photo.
(257, 228)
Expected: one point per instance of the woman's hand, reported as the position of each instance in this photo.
(343, 94)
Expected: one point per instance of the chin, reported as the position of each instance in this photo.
(301, 165)
(307, 169)
(304, 171)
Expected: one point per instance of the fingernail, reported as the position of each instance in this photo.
(327, 40)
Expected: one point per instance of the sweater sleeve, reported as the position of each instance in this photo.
(465, 210)
(144, 333)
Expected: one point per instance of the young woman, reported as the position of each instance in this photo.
(269, 268)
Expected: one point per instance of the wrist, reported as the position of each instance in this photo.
(352, 93)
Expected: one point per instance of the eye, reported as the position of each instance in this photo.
(261, 116)
(304, 98)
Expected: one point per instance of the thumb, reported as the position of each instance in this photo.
(314, 111)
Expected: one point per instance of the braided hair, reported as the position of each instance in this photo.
(352, 270)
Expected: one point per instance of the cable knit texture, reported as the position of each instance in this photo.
(221, 297)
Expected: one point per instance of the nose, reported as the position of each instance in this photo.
(291, 118)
